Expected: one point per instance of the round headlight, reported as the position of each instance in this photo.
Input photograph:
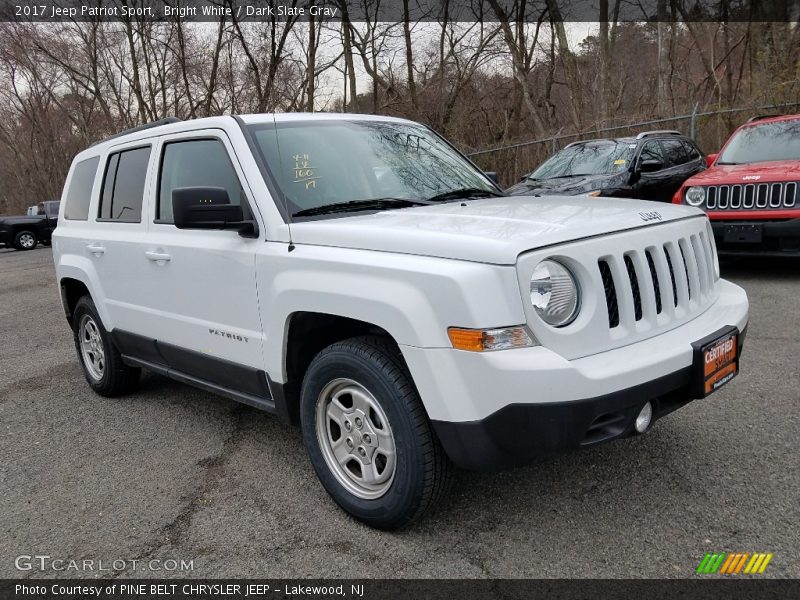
(554, 293)
(695, 195)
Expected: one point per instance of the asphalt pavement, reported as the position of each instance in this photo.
(171, 473)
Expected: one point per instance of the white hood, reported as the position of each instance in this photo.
(494, 230)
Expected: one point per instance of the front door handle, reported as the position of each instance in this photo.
(156, 256)
(95, 249)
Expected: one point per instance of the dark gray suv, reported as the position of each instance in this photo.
(650, 166)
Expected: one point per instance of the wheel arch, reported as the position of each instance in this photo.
(306, 334)
(73, 285)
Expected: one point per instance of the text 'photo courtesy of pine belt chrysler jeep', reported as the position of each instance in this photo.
(751, 191)
(356, 275)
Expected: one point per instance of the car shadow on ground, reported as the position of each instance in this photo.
(784, 268)
(606, 480)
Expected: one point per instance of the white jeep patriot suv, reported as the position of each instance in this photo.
(360, 277)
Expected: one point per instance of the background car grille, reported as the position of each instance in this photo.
(655, 283)
(752, 196)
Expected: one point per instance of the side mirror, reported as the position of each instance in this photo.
(648, 166)
(208, 208)
(493, 176)
(710, 158)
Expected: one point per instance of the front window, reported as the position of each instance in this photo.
(766, 142)
(326, 163)
(603, 157)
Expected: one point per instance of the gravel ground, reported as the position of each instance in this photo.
(176, 473)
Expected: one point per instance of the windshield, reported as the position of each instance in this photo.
(591, 158)
(320, 163)
(757, 143)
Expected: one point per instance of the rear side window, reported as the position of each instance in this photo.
(80, 190)
(674, 154)
(195, 163)
(123, 186)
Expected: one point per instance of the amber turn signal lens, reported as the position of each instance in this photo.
(483, 340)
(466, 339)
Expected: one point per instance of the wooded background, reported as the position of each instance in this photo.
(520, 74)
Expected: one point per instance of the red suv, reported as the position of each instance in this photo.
(751, 190)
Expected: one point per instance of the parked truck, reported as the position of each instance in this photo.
(26, 232)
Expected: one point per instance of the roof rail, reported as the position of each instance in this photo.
(645, 134)
(761, 117)
(159, 123)
(575, 143)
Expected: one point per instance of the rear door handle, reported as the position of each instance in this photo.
(95, 249)
(155, 256)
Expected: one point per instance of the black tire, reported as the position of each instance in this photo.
(116, 378)
(25, 240)
(422, 470)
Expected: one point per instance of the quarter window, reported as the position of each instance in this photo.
(80, 190)
(195, 163)
(123, 186)
(691, 150)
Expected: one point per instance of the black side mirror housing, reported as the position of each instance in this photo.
(649, 166)
(493, 176)
(209, 208)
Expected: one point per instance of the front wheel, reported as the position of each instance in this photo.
(25, 240)
(368, 436)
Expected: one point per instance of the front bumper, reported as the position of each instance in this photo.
(521, 433)
(778, 238)
(501, 409)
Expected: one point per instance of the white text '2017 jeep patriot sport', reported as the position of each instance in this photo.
(360, 277)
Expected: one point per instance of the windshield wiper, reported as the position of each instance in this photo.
(562, 176)
(724, 162)
(465, 193)
(356, 205)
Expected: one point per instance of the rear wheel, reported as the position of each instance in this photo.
(25, 240)
(101, 361)
(368, 436)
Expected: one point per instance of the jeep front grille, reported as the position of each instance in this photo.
(635, 284)
(752, 196)
(654, 283)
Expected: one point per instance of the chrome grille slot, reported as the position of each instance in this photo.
(775, 195)
(790, 194)
(749, 195)
(723, 196)
(736, 196)
(711, 197)
(761, 196)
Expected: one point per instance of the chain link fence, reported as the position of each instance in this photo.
(709, 128)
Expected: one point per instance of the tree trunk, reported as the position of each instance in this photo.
(412, 87)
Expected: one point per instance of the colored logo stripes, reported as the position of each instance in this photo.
(734, 563)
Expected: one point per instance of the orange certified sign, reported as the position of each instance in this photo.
(720, 363)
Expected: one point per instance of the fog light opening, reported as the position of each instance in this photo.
(644, 418)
